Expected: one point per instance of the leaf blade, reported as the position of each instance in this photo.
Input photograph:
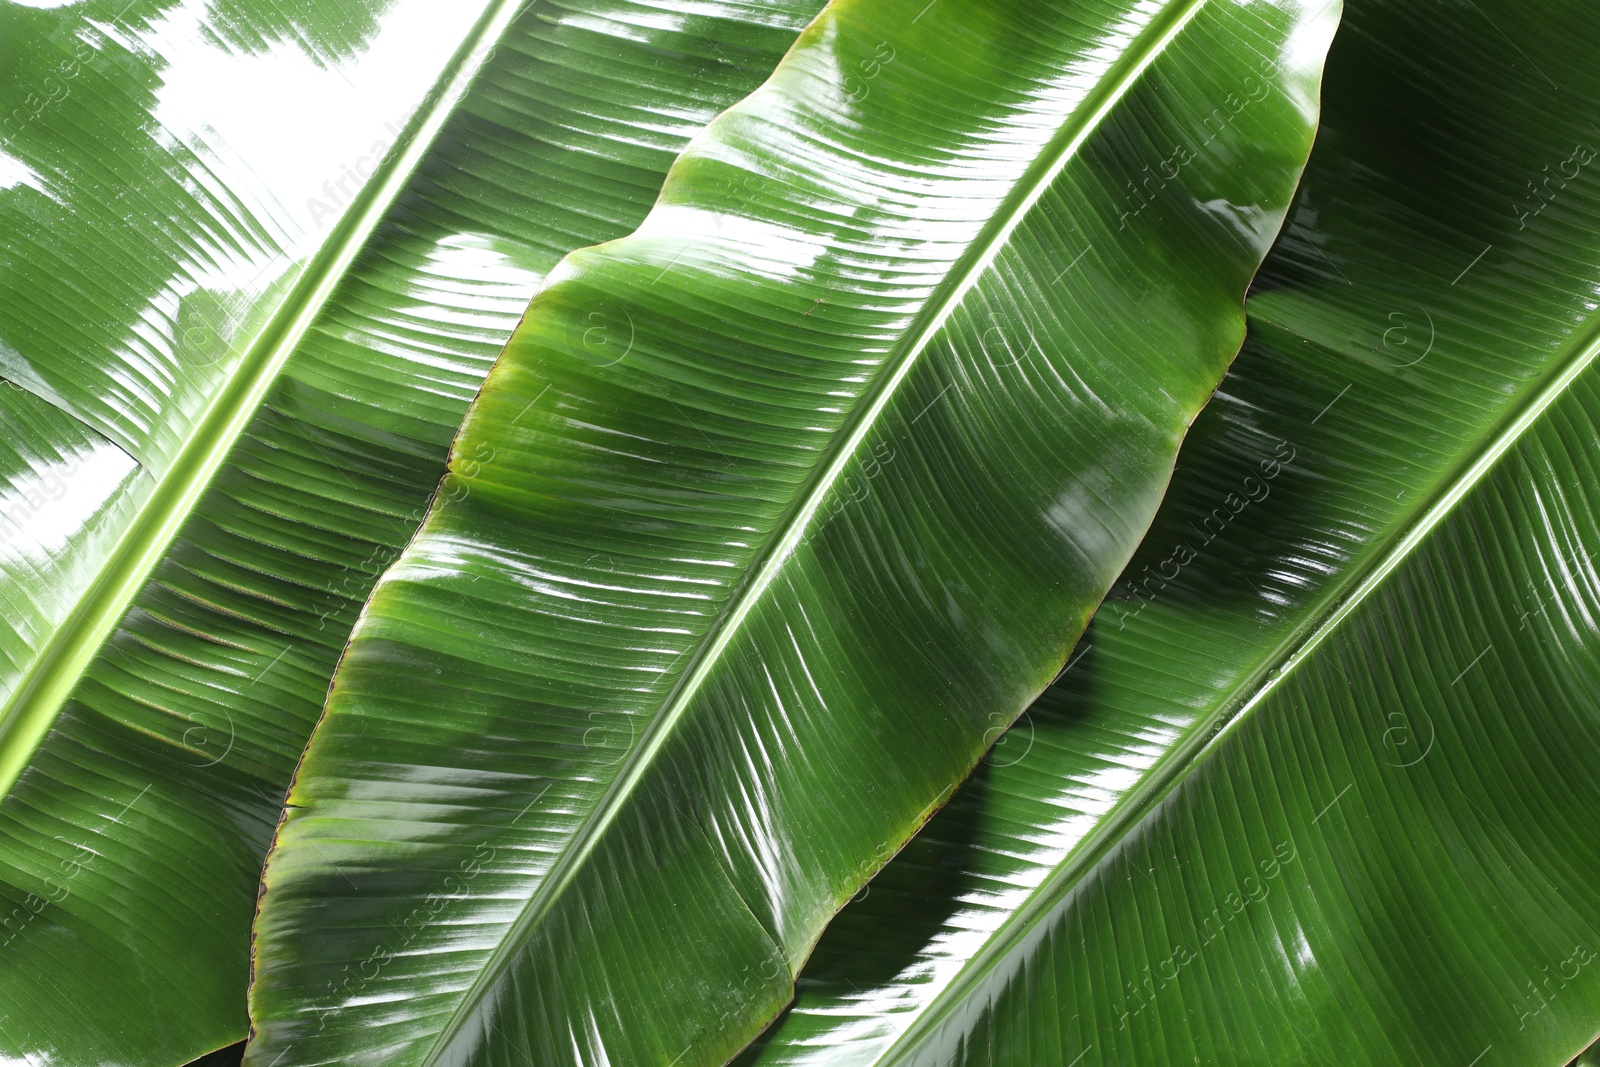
(615, 410)
(1370, 274)
(170, 759)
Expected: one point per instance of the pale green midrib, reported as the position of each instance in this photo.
(34, 705)
(966, 271)
(1326, 614)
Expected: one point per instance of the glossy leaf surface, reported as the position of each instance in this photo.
(148, 774)
(749, 536)
(1318, 787)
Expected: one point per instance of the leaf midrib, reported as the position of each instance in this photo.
(1076, 128)
(1328, 612)
(35, 704)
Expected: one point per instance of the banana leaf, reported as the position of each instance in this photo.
(247, 302)
(1318, 786)
(747, 541)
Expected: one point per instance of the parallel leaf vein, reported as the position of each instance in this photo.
(1077, 127)
(44, 689)
(1208, 733)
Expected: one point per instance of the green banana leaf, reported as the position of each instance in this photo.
(236, 368)
(1318, 785)
(747, 540)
